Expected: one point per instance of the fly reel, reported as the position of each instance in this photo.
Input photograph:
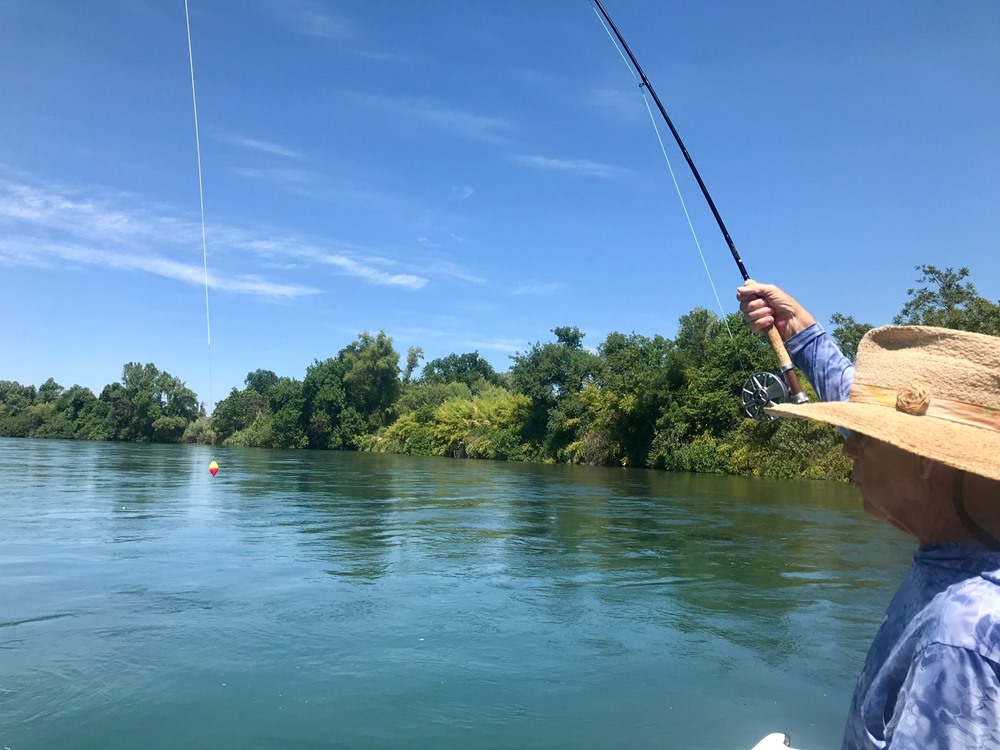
(763, 389)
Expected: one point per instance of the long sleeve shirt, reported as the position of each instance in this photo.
(931, 680)
(815, 352)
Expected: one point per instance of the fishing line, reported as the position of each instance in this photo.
(201, 202)
(761, 389)
(670, 167)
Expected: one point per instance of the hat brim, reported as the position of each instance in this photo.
(960, 446)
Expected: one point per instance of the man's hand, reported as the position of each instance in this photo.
(765, 305)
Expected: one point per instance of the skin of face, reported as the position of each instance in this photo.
(900, 488)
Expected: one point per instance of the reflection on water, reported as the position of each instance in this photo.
(306, 600)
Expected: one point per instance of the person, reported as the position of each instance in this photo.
(921, 415)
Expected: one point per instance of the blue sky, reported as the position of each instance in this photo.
(468, 175)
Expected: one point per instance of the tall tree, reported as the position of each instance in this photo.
(261, 381)
(48, 392)
(695, 334)
(634, 381)
(15, 400)
(413, 356)
(552, 375)
(371, 385)
(286, 419)
(238, 411)
(148, 405)
(325, 399)
(947, 300)
(16, 397)
(468, 368)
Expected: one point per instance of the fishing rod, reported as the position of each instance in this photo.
(762, 389)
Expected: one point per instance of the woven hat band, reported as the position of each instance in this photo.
(917, 401)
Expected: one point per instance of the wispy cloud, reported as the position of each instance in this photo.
(291, 177)
(536, 288)
(352, 260)
(47, 223)
(377, 56)
(458, 122)
(462, 193)
(577, 166)
(447, 269)
(265, 146)
(417, 333)
(102, 215)
(42, 253)
(373, 275)
(314, 19)
(617, 103)
(510, 346)
(311, 19)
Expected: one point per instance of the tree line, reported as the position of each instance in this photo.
(632, 401)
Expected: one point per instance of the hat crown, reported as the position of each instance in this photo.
(933, 392)
(956, 365)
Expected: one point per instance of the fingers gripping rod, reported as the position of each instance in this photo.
(796, 393)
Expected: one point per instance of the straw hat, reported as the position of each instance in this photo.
(930, 391)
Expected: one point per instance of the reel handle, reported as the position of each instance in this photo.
(785, 363)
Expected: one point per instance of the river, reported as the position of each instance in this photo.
(323, 599)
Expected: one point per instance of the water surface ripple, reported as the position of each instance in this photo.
(315, 600)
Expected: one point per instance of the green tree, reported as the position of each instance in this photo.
(287, 401)
(425, 397)
(15, 400)
(261, 381)
(410, 434)
(48, 392)
(552, 375)
(371, 383)
(93, 420)
(488, 426)
(947, 300)
(469, 368)
(48, 422)
(175, 398)
(848, 333)
(413, 356)
(237, 412)
(350, 397)
(148, 405)
(716, 357)
(277, 418)
(788, 449)
(73, 408)
(325, 399)
(200, 431)
(16, 397)
(117, 411)
(75, 400)
(695, 334)
(634, 380)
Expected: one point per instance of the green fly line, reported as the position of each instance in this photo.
(670, 167)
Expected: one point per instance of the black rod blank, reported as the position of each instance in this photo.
(680, 143)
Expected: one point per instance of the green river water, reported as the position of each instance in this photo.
(344, 600)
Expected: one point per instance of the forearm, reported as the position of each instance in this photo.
(815, 352)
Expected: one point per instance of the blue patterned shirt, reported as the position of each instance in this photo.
(931, 680)
(814, 352)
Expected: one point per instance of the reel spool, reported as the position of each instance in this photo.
(763, 389)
